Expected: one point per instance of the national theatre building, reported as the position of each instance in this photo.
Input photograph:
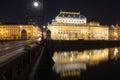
(74, 26)
(19, 32)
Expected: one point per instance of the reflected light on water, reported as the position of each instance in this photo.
(116, 51)
(85, 56)
(69, 62)
(69, 67)
(70, 73)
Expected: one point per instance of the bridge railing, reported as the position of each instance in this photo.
(17, 67)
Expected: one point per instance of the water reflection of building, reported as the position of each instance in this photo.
(77, 60)
(114, 53)
(72, 63)
(88, 56)
(74, 26)
(16, 32)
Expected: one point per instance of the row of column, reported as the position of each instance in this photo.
(76, 36)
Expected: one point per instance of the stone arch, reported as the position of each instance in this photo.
(48, 34)
(24, 35)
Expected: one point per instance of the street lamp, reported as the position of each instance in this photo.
(38, 4)
(44, 27)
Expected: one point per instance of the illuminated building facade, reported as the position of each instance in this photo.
(114, 32)
(74, 26)
(19, 32)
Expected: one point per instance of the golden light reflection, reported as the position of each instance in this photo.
(116, 51)
(59, 68)
(115, 54)
(70, 73)
(69, 61)
(85, 56)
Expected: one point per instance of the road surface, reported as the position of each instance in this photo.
(7, 47)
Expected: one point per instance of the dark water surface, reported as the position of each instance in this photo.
(94, 64)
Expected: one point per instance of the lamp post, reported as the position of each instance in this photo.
(39, 5)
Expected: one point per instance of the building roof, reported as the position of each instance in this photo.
(71, 15)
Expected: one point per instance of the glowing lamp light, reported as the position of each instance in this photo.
(20, 26)
(28, 31)
(6, 31)
(44, 26)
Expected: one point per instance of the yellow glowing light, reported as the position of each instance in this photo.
(115, 34)
(70, 73)
(20, 26)
(6, 31)
(116, 51)
(88, 57)
(103, 54)
(28, 31)
(71, 59)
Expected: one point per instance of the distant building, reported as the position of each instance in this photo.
(74, 26)
(114, 32)
(19, 32)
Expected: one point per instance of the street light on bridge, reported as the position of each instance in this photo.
(39, 5)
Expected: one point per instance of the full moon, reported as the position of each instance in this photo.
(36, 4)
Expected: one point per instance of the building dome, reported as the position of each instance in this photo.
(71, 18)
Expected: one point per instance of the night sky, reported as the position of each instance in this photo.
(104, 11)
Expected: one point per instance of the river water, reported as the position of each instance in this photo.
(96, 64)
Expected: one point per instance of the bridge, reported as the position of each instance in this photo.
(20, 63)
